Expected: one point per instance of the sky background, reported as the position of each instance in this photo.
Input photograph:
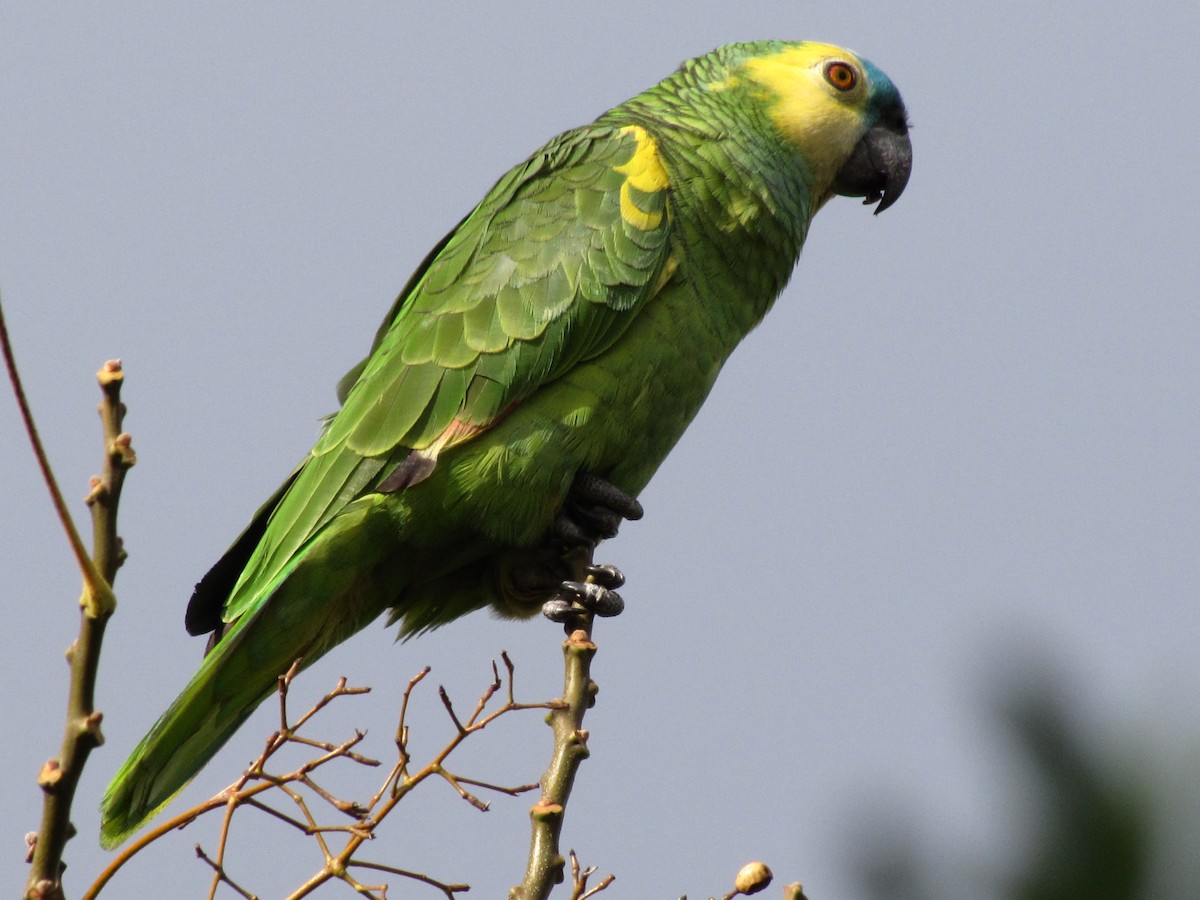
(962, 448)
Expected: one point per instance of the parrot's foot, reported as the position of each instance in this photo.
(597, 596)
(593, 511)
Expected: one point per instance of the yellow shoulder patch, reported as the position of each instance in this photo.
(645, 179)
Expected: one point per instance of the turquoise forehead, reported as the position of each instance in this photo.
(883, 92)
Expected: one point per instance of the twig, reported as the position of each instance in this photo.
(499, 789)
(448, 889)
(604, 882)
(579, 880)
(399, 782)
(450, 710)
(462, 791)
(221, 877)
(60, 776)
(308, 827)
(490, 692)
(97, 593)
(240, 792)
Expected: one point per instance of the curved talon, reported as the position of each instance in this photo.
(559, 610)
(575, 597)
(613, 605)
(595, 598)
(607, 576)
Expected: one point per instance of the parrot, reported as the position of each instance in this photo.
(531, 377)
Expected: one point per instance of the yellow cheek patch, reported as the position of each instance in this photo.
(821, 123)
(642, 203)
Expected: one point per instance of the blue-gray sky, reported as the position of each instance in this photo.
(966, 436)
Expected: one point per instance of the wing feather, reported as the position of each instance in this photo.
(546, 272)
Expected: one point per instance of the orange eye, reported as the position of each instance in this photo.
(841, 75)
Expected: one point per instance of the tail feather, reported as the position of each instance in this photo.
(333, 587)
(181, 742)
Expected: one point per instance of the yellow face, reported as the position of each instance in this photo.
(815, 95)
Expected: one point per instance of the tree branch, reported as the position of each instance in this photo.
(546, 862)
(60, 776)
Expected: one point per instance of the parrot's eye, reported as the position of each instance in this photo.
(841, 75)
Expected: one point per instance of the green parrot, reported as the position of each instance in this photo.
(533, 374)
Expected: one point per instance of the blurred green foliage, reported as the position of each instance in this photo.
(1111, 817)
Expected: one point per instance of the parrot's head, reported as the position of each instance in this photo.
(842, 115)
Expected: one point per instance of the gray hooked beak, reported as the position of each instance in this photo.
(878, 167)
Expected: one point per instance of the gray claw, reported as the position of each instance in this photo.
(559, 610)
(607, 576)
(583, 596)
(595, 598)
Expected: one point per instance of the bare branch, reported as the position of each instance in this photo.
(512, 676)
(250, 788)
(305, 827)
(546, 863)
(220, 876)
(462, 792)
(579, 880)
(499, 789)
(349, 807)
(486, 696)
(448, 889)
(60, 776)
(450, 710)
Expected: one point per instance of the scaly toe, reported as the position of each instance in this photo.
(575, 597)
(608, 576)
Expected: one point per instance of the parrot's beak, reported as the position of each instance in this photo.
(879, 165)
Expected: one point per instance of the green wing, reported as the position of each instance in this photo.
(545, 273)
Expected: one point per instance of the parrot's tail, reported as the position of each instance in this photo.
(184, 738)
(315, 602)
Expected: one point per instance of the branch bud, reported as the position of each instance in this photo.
(543, 810)
(122, 450)
(110, 372)
(753, 877)
(91, 726)
(95, 489)
(50, 775)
